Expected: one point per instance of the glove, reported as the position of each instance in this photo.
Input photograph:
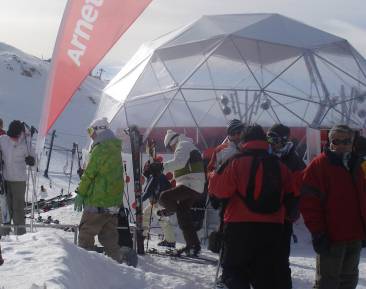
(133, 205)
(80, 172)
(215, 202)
(30, 161)
(79, 203)
(321, 243)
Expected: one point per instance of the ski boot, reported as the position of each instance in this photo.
(128, 256)
(165, 243)
(48, 220)
(190, 251)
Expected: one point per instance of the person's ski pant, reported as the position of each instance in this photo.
(164, 222)
(284, 270)
(104, 226)
(180, 200)
(251, 255)
(15, 197)
(338, 268)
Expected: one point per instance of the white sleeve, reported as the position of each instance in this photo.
(180, 158)
(226, 153)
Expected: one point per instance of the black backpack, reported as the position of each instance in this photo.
(263, 193)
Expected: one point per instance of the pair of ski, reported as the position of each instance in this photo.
(53, 203)
(174, 255)
(49, 220)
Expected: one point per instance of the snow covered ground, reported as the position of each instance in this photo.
(49, 259)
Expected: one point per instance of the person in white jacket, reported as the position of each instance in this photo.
(16, 155)
(187, 167)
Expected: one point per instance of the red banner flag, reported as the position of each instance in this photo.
(89, 28)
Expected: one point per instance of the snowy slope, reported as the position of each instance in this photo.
(22, 81)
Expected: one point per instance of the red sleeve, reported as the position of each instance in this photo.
(224, 184)
(312, 197)
(211, 164)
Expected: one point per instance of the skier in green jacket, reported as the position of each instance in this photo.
(100, 191)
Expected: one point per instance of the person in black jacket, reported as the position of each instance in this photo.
(156, 183)
(279, 138)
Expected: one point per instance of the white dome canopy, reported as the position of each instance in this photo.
(262, 68)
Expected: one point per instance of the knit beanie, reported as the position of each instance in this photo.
(171, 138)
(16, 127)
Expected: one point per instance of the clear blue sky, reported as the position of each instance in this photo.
(32, 25)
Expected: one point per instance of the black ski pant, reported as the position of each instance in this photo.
(251, 255)
(180, 200)
(284, 270)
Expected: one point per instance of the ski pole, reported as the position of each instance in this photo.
(34, 181)
(72, 165)
(218, 267)
(148, 232)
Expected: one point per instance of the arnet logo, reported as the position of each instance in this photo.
(83, 28)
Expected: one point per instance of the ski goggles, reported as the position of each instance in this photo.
(93, 129)
(274, 138)
(346, 141)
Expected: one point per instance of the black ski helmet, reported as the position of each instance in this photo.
(16, 127)
(234, 126)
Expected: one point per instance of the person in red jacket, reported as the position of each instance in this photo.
(252, 232)
(333, 205)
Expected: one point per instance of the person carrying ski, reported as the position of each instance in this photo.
(156, 183)
(333, 205)
(255, 184)
(99, 194)
(188, 170)
(16, 155)
(278, 137)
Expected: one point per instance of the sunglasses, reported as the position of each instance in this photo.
(336, 142)
(91, 130)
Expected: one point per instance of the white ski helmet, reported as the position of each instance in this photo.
(171, 138)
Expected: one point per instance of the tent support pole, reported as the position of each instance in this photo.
(195, 121)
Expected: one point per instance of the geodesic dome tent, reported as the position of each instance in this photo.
(262, 68)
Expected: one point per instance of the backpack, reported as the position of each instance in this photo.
(264, 188)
